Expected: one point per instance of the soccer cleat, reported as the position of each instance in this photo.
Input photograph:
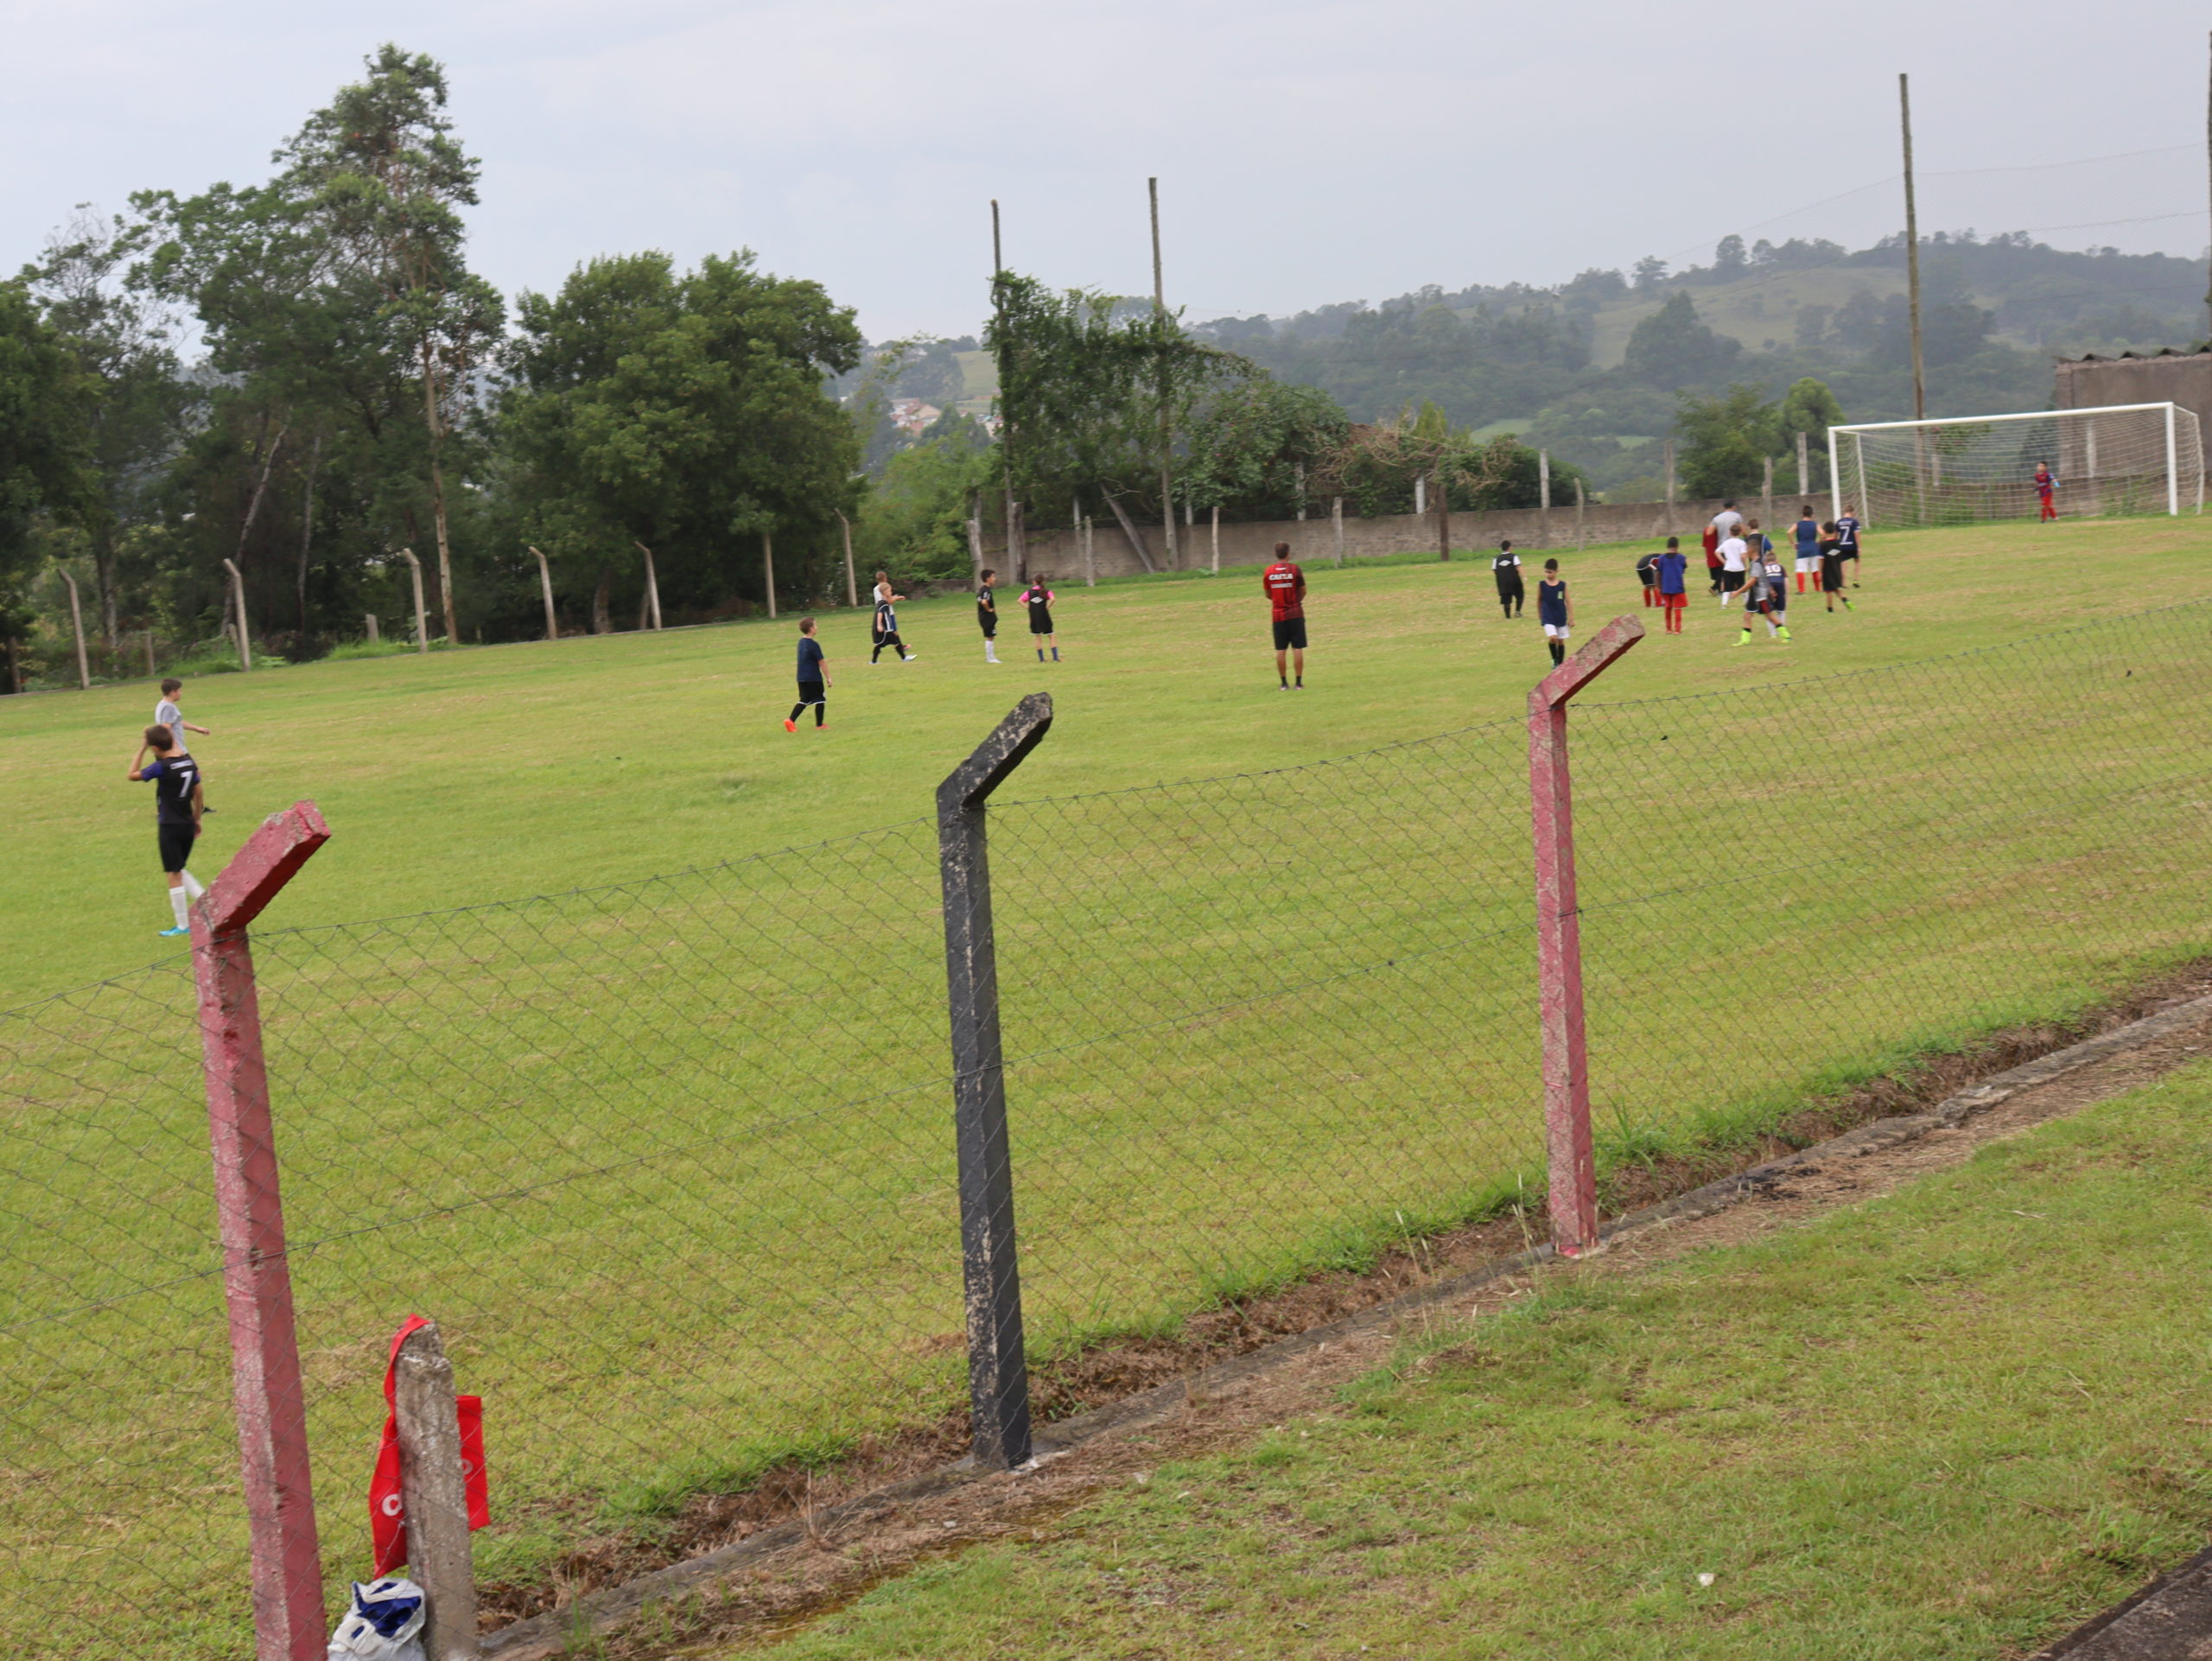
(1745, 639)
(1784, 633)
(791, 725)
(171, 933)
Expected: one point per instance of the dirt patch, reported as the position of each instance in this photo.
(827, 1535)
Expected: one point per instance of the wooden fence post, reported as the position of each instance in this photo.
(1336, 515)
(998, 1373)
(77, 626)
(238, 587)
(545, 589)
(266, 1393)
(767, 571)
(421, 618)
(852, 589)
(434, 1496)
(653, 583)
(1571, 1184)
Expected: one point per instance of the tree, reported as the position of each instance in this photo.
(46, 399)
(137, 423)
(1081, 391)
(1673, 349)
(913, 522)
(684, 412)
(1727, 441)
(1650, 271)
(1251, 448)
(379, 172)
(1808, 407)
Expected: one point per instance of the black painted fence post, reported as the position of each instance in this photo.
(998, 1375)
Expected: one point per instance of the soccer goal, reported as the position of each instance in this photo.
(2117, 459)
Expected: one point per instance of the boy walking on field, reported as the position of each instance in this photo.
(167, 714)
(1284, 585)
(177, 807)
(813, 679)
(1555, 611)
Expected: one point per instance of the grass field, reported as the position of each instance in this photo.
(668, 1160)
(1953, 1422)
(536, 768)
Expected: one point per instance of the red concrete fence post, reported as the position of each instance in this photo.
(288, 1619)
(1572, 1180)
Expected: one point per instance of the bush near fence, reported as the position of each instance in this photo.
(671, 1163)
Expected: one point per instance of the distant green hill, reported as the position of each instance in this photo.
(1996, 313)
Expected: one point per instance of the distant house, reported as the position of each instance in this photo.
(911, 414)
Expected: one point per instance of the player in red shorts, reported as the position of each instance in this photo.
(2046, 483)
(1286, 587)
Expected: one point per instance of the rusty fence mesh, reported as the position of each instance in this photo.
(671, 1163)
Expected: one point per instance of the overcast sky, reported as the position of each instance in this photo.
(1307, 153)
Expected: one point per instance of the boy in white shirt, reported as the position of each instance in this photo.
(1735, 553)
(166, 713)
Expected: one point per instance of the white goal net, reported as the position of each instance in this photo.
(2119, 458)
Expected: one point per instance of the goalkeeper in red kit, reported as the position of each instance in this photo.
(1286, 588)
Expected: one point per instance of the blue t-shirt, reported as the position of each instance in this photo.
(809, 658)
(1671, 566)
(1808, 539)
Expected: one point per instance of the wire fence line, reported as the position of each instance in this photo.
(670, 1162)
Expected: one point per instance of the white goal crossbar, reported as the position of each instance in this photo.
(2111, 459)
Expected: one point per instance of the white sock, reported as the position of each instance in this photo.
(193, 888)
(178, 904)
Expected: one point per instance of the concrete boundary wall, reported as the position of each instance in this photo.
(1314, 541)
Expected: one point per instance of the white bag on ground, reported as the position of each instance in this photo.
(383, 1624)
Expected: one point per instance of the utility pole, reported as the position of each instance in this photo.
(2207, 157)
(1017, 554)
(1166, 431)
(1912, 250)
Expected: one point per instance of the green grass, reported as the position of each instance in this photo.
(670, 1159)
(1955, 1421)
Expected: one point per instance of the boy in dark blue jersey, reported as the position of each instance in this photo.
(177, 807)
(1555, 611)
(813, 679)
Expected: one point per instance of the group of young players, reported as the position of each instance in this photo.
(1742, 568)
(814, 681)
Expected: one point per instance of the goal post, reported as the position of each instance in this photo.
(2116, 459)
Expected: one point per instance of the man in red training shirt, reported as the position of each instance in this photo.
(1286, 587)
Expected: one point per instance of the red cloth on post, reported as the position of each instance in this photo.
(387, 1517)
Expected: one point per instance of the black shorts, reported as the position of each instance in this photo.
(989, 622)
(1731, 580)
(1832, 578)
(812, 691)
(1040, 620)
(176, 846)
(1290, 631)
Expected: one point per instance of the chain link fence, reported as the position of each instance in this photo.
(672, 1165)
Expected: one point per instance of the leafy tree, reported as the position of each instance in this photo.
(1672, 347)
(1081, 390)
(137, 423)
(684, 410)
(1808, 407)
(914, 521)
(1730, 438)
(47, 400)
(1251, 448)
(380, 175)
